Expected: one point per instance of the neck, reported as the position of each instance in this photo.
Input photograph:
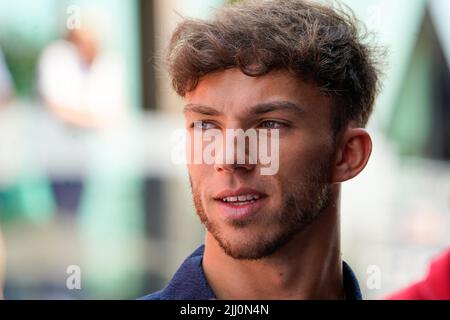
(308, 267)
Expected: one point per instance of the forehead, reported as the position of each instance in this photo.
(233, 91)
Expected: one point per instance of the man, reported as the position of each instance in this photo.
(82, 84)
(434, 286)
(299, 69)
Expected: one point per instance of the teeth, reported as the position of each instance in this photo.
(243, 198)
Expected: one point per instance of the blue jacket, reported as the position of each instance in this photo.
(189, 282)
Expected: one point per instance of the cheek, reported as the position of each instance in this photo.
(199, 174)
(299, 156)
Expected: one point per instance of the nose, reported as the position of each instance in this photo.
(231, 168)
(237, 151)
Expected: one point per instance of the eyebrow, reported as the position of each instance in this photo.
(258, 109)
(205, 110)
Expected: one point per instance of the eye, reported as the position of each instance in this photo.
(272, 124)
(203, 125)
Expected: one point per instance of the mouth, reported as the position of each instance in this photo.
(240, 204)
(241, 200)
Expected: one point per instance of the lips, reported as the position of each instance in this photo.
(239, 194)
(240, 204)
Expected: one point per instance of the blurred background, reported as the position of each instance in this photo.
(87, 117)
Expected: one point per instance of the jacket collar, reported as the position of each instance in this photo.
(189, 282)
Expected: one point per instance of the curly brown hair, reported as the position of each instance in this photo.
(316, 42)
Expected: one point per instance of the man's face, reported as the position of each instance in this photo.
(282, 204)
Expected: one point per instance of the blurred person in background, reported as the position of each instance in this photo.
(6, 88)
(435, 286)
(83, 85)
(79, 82)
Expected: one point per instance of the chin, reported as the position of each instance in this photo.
(248, 243)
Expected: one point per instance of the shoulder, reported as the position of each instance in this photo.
(188, 283)
(153, 296)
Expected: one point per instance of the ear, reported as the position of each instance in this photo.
(353, 150)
